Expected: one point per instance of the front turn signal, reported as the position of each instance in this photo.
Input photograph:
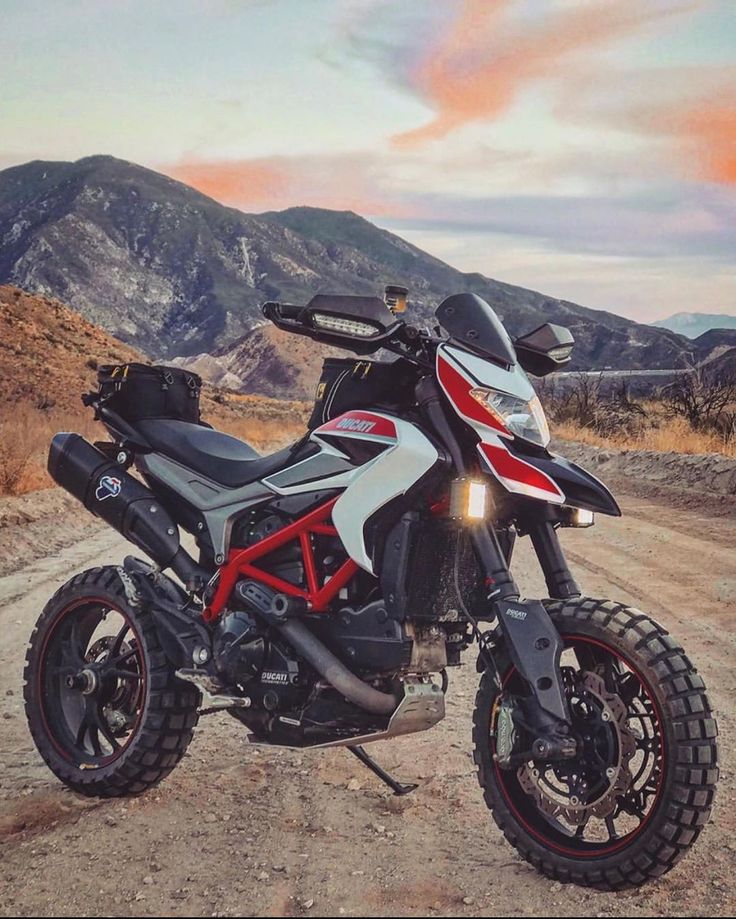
(468, 499)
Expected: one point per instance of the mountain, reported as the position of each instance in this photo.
(693, 325)
(712, 344)
(265, 361)
(173, 272)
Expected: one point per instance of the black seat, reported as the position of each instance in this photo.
(218, 456)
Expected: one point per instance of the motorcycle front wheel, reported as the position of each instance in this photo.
(638, 794)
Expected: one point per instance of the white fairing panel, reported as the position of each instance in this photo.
(408, 455)
(459, 373)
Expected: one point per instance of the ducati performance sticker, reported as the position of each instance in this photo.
(108, 487)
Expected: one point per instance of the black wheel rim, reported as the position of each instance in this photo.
(545, 812)
(91, 683)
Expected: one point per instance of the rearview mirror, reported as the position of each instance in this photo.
(544, 350)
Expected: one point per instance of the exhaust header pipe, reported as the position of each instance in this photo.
(121, 500)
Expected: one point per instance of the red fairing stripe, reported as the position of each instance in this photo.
(362, 424)
(509, 467)
(458, 391)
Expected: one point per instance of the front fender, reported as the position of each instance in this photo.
(580, 487)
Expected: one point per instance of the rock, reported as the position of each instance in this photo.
(308, 904)
(354, 785)
(148, 880)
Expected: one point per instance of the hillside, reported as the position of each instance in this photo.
(49, 355)
(173, 272)
(267, 361)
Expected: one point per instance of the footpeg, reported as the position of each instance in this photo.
(214, 700)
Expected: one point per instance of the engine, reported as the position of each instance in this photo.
(247, 657)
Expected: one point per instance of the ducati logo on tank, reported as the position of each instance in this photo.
(365, 425)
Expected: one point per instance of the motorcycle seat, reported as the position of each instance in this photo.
(220, 457)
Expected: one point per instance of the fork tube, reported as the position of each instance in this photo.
(560, 582)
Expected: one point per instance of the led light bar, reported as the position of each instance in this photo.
(355, 327)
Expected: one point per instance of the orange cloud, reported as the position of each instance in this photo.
(339, 182)
(691, 109)
(712, 128)
(255, 182)
(478, 68)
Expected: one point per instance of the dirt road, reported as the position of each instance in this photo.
(248, 831)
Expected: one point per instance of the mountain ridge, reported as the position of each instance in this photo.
(170, 271)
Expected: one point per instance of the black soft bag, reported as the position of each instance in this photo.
(347, 384)
(139, 391)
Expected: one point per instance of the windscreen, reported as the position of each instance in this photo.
(471, 322)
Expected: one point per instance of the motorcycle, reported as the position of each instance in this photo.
(337, 582)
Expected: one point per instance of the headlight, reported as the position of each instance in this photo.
(525, 419)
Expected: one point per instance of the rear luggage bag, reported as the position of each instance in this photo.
(139, 391)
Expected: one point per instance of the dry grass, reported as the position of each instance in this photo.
(659, 434)
(24, 440)
(26, 432)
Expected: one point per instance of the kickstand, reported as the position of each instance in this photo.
(370, 763)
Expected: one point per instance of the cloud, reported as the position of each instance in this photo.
(691, 109)
(666, 222)
(348, 181)
(476, 69)
(252, 182)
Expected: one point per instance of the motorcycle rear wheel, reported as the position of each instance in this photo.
(104, 706)
(636, 799)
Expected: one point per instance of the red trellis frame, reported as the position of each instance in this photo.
(240, 564)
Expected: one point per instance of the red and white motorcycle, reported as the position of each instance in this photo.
(339, 579)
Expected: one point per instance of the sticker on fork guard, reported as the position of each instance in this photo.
(108, 487)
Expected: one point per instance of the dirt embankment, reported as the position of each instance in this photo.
(688, 480)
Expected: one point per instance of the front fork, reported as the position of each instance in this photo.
(533, 641)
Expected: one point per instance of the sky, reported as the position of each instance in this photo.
(584, 148)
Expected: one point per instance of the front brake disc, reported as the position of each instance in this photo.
(573, 808)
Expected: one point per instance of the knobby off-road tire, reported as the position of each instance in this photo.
(162, 710)
(689, 772)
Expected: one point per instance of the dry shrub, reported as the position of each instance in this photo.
(21, 439)
(693, 415)
(666, 435)
(24, 440)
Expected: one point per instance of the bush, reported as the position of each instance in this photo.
(22, 437)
